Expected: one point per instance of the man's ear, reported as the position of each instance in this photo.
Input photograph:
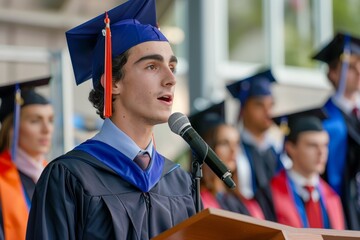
(102, 79)
(334, 75)
(115, 85)
(289, 148)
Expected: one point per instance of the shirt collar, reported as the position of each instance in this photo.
(28, 165)
(300, 182)
(249, 138)
(345, 104)
(115, 137)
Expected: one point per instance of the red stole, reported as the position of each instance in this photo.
(284, 204)
(333, 205)
(13, 204)
(208, 199)
(254, 208)
(285, 208)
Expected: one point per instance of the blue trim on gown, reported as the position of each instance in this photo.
(335, 125)
(124, 166)
(300, 206)
(254, 180)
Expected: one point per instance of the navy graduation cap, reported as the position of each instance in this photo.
(258, 85)
(93, 44)
(341, 47)
(336, 47)
(208, 118)
(131, 23)
(28, 95)
(13, 97)
(295, 123)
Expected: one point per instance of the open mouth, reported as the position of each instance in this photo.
(166, 98)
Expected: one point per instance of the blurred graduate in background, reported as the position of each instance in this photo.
(259, 159)
(342, 56)
(300, 197)
(25, 138)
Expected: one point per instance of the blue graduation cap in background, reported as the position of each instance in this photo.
(14, 96)
(341, 47)
(295, 123)
(131, 23)
(335, 48)
(258, 85)
(208, 118)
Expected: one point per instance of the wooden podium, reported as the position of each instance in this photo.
(224, 225)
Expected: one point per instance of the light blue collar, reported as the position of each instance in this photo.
(248, 138)
(113, 136)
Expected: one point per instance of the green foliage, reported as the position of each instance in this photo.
(346, 16)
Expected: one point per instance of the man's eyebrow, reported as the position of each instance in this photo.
(156, 57)
(173, 59)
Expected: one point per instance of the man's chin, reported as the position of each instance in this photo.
(265, 128)
(321, 170)
(163, 118)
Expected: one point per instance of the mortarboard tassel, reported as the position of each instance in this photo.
(345, 57)
(108, 69)
(17, 104)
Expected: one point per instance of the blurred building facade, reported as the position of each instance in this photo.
(217, 41)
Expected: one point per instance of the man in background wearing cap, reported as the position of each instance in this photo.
(301, 198)
(342, 55)
(116, 185)
(259, 161)
(26, 119)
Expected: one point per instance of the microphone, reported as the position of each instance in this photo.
(179, 124)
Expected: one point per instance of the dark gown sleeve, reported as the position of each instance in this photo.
(28, 184)
(230, 202)
(351, 187)
(264, 199)
(52, 214)
(84, 199)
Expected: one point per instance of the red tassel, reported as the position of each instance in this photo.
(107, 70)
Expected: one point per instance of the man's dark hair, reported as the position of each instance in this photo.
(332, 66)
(334, 63)
(96, 96)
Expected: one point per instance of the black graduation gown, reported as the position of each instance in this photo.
(264, 165)
(79, 197)
(231, 202)
(351, 187)
(28, 183)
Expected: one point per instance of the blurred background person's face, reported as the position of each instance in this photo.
(352, 75)
(309, 153)
(225, 141)
(227, 144)
(257, 113)
(36, 129)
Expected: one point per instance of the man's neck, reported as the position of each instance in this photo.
(347, 102)
(258, 136)
(307, 176)
(139, 132)
(352, 96)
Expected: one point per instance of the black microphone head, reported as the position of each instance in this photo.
(178, 122)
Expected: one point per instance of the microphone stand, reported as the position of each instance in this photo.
(197, 175)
